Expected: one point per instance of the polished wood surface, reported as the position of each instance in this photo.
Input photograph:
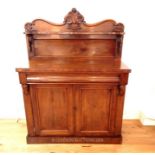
(53, 113)
(75, 85)
(136, 139)
(74, 48)
(94, 104)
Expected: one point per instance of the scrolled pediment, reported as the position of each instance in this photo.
(74, 22)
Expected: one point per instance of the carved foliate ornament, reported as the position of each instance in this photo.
(29, 28)
(119, 27)
(73, 20)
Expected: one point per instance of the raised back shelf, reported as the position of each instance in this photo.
(74, 42)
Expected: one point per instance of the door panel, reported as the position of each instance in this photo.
(53, 109)
(95, 109)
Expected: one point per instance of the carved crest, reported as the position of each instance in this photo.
(73, 20)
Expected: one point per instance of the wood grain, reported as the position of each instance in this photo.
(137, 138)
(53, 113)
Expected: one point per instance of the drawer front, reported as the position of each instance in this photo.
(49, 78)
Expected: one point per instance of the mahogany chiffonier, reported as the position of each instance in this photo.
(74, 87)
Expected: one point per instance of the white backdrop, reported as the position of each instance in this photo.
(138, 49)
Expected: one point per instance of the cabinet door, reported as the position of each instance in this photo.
(52, 107)
(95, 109)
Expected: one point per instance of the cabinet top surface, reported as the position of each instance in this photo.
(115, 68)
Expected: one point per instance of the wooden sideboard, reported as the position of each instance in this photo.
(74, 87)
